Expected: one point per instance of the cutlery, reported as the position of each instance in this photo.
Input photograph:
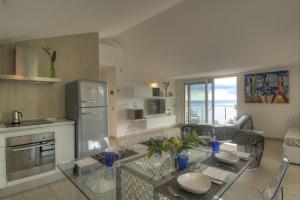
(175, 194)
(225, 166)
(216, 181)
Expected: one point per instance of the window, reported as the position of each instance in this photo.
(211, 101)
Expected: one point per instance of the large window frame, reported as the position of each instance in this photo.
(205, 80)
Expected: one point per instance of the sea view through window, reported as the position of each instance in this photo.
(212, 101)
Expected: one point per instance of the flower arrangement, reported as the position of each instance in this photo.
(52, 56)
(175, 145)
(166, 85)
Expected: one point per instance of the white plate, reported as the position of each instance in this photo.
(194, 182)
(227, 157)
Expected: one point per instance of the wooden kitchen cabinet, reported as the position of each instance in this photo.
(64, 143)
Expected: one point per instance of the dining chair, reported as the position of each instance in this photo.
(272, 191)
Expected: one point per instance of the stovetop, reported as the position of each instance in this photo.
(28, 123)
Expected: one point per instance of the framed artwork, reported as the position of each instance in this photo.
(268, 87)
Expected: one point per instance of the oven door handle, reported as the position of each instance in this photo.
(88, 101)
(31, 147)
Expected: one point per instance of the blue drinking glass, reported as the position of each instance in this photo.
(109, 158)
(215, 145)
(182, 162)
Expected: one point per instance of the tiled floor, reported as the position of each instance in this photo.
(63, 189)
(59, 190)
(269, 166)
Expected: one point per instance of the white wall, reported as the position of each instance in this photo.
(273, 119)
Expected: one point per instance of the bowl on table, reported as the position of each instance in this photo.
(193, 182)
(227, 157)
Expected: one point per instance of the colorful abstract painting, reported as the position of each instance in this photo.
(269, 87)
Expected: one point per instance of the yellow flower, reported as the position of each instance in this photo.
(176, 141)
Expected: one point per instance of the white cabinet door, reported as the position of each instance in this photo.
(64, 143)
(161, 121)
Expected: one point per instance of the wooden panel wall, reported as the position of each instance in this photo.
(77, 58)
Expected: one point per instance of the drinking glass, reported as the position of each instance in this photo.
(182, 162)
(215, 145)
(109, 158)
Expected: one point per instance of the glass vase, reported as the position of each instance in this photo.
(52, 72)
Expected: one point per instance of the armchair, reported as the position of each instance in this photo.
(251, 141)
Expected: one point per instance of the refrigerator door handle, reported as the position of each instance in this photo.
(89, 113)
(88, 101)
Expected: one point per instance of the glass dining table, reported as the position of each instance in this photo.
(138, 177)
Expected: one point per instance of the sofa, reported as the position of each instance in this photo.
(250, 140)
(291, 145)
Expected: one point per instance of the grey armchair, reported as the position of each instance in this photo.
(251, 141)
(245, 122)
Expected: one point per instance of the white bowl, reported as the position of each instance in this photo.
(227, 157)
(194, 182)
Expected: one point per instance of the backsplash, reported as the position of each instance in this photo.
(77, 58)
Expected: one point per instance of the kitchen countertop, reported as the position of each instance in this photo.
(56, 122)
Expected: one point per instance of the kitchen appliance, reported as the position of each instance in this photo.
(28, 123)
(29, 155)
(27, 60)
(86, 104)
(16, 117)
(156, 106)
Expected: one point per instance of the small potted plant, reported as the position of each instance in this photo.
(175, 146)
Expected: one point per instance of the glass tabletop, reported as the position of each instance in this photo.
(138, 177)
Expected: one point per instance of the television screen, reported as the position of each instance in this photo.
(156, 106)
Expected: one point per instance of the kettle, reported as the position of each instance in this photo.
(16, 117)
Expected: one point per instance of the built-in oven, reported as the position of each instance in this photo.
(29, 155)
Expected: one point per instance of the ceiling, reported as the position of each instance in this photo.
(209, 37)
(31, 19)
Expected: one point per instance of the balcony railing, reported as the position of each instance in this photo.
(223, 114)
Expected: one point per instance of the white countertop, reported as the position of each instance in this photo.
(56, 122)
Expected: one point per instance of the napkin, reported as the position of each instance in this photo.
(234, 148)
(216, 173)
(243, 155)
(228, 147)
(85, 162)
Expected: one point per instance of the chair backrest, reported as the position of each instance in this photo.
(201, 130)
(273, 190)
(245, 122)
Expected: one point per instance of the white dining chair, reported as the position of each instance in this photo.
(272, 191)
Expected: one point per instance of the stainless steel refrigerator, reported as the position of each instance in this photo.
(86, 104)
